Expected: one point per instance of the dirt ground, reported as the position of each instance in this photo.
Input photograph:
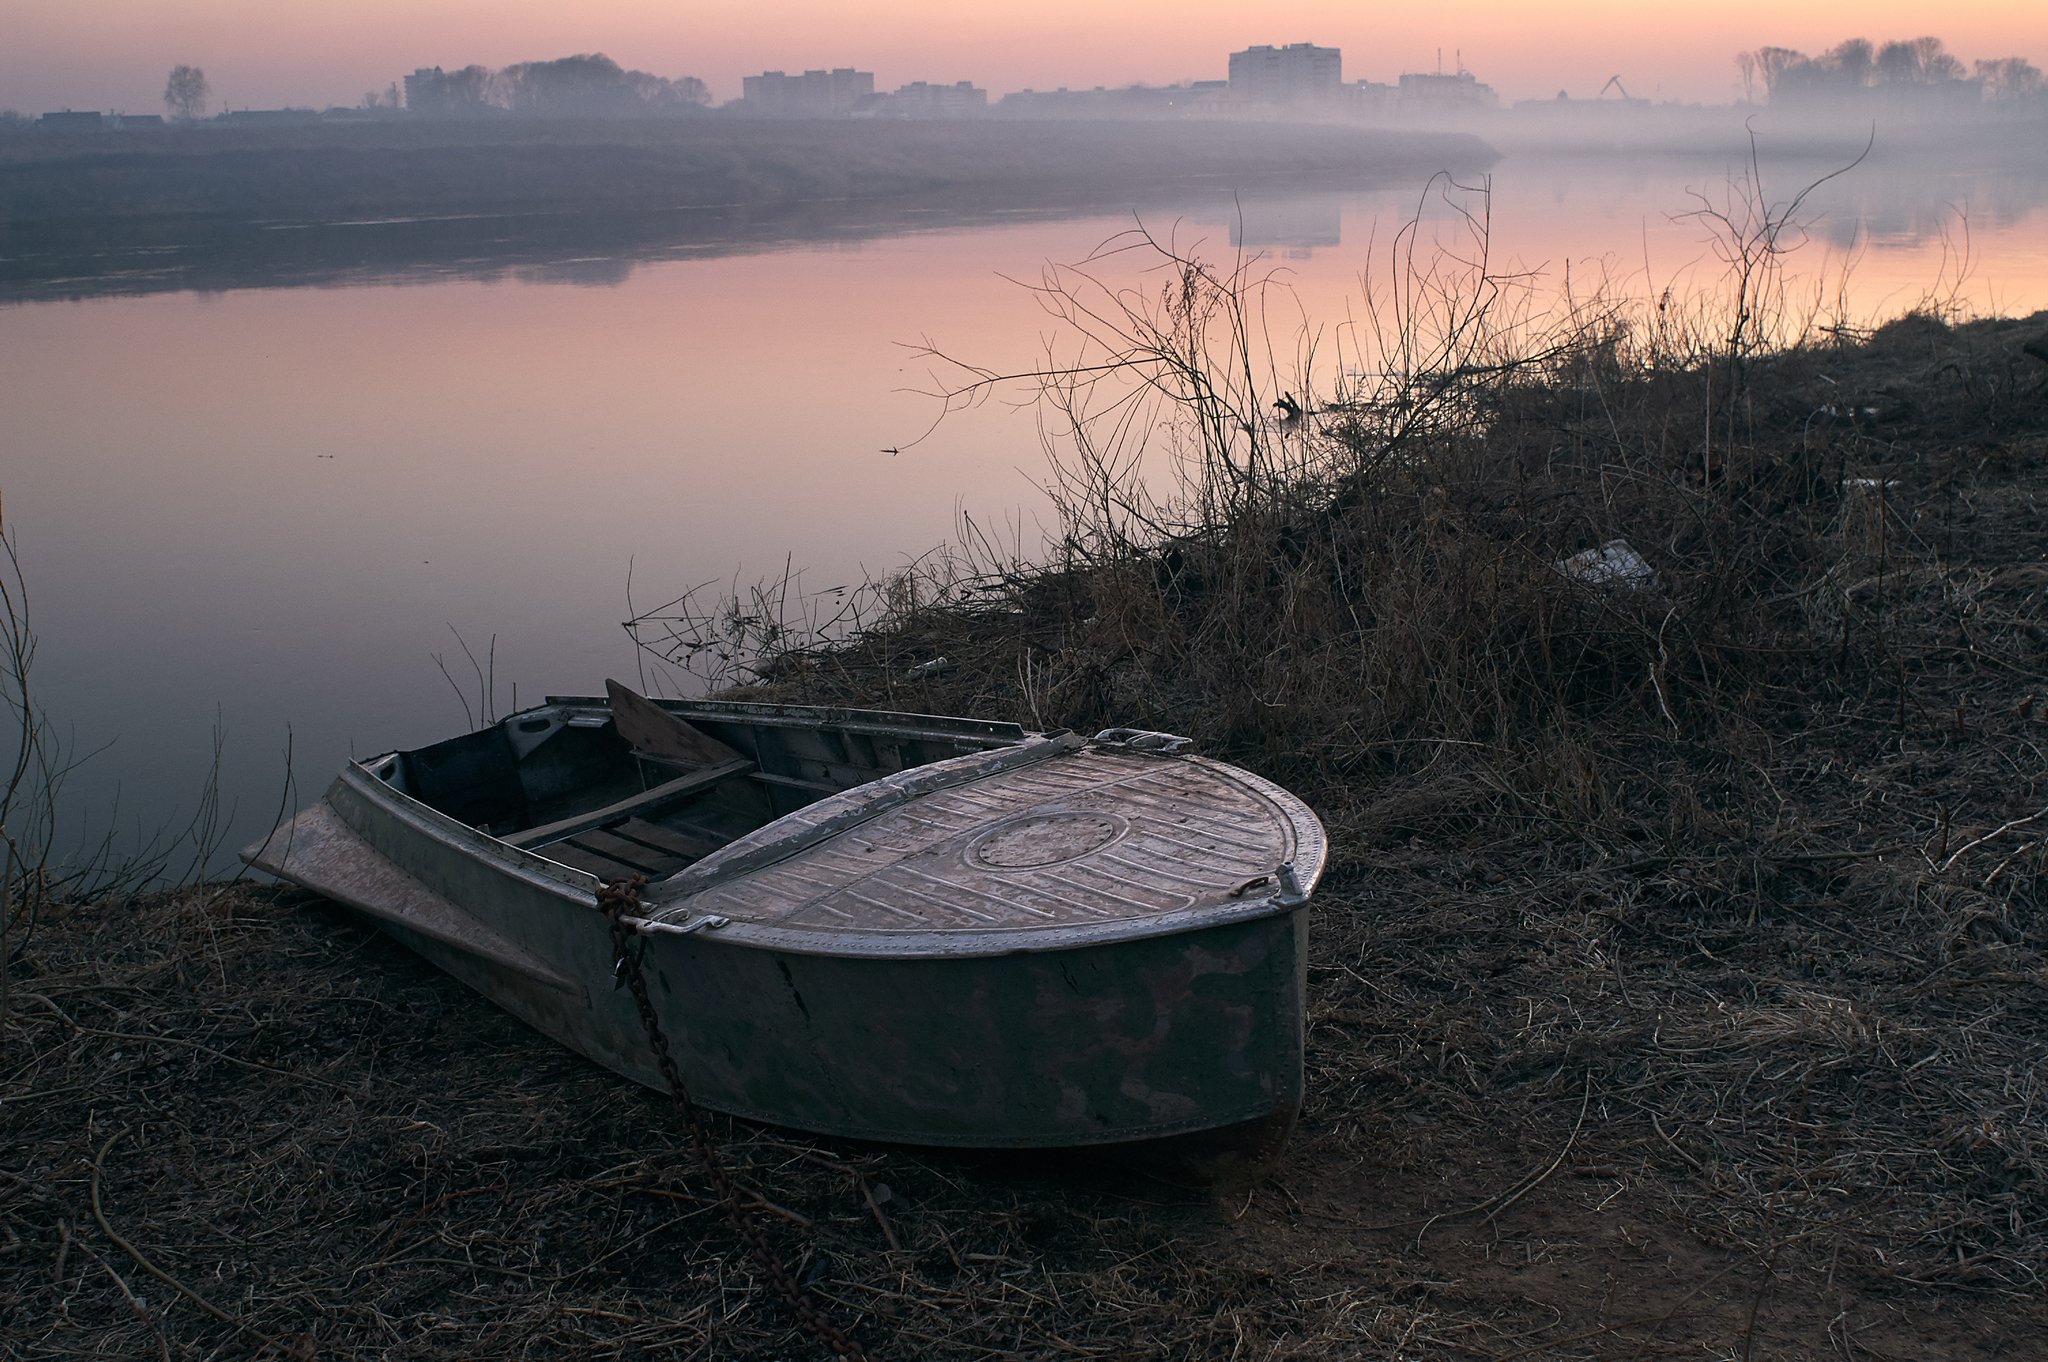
(1742, 1141)
(1743, 1058)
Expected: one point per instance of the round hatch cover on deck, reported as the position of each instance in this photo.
(1047, 839)
(1098, 840)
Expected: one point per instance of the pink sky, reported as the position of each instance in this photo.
(112, 54)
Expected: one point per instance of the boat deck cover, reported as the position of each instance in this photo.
(1085, 838)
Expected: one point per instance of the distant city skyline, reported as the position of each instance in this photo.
(114, 54)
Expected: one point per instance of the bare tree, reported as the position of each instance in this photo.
(1898, 62)
(590, 85)
(1854, 62)
(2009, 78)
(185, 92)
(1936, 62)
(1773, 62)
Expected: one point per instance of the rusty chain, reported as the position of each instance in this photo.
(615, 899)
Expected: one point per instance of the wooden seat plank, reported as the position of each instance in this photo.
(668, 792)
(646, 860)
(691, 845)
(798, 783)
(604, 867)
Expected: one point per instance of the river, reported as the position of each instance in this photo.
(273, 508)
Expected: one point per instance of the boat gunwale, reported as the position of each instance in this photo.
(931, 727)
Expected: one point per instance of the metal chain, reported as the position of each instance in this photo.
(617, 898)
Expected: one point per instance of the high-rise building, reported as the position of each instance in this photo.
(1423, 90)
(1286, 75)
(814, 94)
(922, 99)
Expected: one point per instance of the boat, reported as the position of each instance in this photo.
(889, 927)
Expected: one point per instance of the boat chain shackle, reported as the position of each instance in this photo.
(616, 899)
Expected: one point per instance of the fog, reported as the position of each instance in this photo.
(254, 204)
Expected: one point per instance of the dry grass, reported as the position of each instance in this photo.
(1678, 987)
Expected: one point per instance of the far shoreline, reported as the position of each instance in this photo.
(155, 209)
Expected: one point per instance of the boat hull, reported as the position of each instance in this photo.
(1134, 1039)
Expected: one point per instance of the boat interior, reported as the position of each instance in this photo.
(626, 786)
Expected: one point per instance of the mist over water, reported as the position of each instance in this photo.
(279, 502)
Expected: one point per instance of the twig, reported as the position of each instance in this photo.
(1584, 1102)
(135, 1303)
(754, 1199)
(888, 1231)
(1998, 831)
(140, 1038)
(1500, 1201)
(100, 1217)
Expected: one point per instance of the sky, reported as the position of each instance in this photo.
(113, 54)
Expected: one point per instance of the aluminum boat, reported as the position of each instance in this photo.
(920, 930)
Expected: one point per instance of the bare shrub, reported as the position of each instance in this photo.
(38, 868)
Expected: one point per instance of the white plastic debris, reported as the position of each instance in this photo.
(931, 668)
(1614, 563)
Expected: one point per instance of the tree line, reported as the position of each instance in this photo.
(591, 85)
(1913, 67)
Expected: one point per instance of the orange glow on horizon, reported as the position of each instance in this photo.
(113, 53)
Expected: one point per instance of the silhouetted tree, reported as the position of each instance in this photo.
(1853, 62)
(590, 85)
(1911, 71)
(450, 94)
(185, 92)
(1773, 62)
(1937, 64)
(1916, 61)
(1745, 62)
(469, 90)
(690, 90)
(2007, 78)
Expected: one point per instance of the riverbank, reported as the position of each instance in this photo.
(127, 211)
(1678, 985)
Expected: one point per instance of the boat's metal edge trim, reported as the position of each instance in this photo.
(967, 943)
(935, 726)
(362, 783)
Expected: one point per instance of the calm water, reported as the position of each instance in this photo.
(278, 505)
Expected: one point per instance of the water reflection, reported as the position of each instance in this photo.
(588, 271)
(1294, 222)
